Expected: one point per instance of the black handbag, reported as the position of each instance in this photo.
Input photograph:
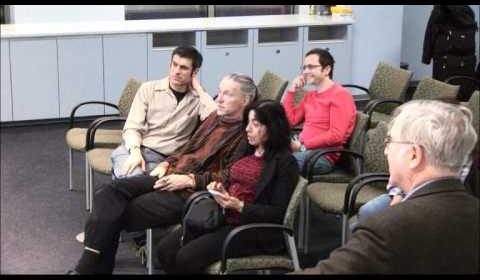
(201, 214)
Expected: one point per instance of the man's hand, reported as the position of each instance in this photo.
(135, 159)
(174, 182)
(396, 199)
(295, 145)
(195, 85)
(298, 83)
(160, 170)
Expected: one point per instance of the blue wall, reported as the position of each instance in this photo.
(377, 36)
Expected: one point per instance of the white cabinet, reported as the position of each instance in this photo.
(80, 73)
(225, 52)
(6, 90)
(278, 50)
(160, 47)
(124, 57)
(34, 76)
(337, 40)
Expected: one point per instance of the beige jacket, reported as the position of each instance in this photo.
(157, 122)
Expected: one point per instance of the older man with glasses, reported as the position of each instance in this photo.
(434, 228)
(146, 201)
(327, 111)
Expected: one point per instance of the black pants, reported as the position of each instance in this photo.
(131, 204)
(195, 256)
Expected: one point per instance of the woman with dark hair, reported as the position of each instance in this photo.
(257, 189)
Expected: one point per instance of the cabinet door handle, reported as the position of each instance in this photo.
(277, 51)
(227, 54)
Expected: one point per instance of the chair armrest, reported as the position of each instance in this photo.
(354, 187)
(357, 87)
(237, 230)
(72, 114)
(375, 102)
(371, 105)
(312, 158)
(462, 77)
(92, 129)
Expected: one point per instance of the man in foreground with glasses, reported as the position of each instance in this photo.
(327, 111)
(434, 228)
(147, 201)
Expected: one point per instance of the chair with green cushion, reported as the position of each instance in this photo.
(265, 262)
(429, 88)
(271, 86)
(386, 91)
(97, 156)
(346, 168)
(330, 196)
(75, 137)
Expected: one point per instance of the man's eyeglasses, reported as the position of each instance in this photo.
(387, 140)
(309, 67)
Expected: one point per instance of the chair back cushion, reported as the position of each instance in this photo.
(271, 86)
(127, 96)
(391, 82)
(373, 154)
(429, 88)
(474, 105)
(292, 208)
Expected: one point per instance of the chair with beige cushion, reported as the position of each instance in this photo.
(105, 140)
(271, 86)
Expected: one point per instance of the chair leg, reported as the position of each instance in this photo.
(90, 188)
(345, 229)
(148, 245)
(70, 165)
(301, 224)
(293, 252)
(87, 181)
(307, 225)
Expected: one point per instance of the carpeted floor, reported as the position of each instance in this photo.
(40, 217)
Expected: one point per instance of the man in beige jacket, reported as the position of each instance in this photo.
(163, 116)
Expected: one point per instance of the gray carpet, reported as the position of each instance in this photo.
(40, 217)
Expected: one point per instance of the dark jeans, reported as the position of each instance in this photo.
(131, 204)
(195, 256)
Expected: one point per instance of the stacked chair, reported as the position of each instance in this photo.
(333, 197)
(347, 167)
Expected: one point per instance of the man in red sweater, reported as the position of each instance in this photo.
(327, 111)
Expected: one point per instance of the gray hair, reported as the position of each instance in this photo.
(247, 85)
(445, 131)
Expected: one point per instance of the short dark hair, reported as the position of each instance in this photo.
(271, 114)
(191, 53)
(324, 58)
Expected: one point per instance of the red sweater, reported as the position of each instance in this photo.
(244, 175)
(328, 117)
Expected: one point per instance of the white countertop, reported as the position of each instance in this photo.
(165, 25)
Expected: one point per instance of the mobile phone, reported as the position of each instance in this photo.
(214, 192)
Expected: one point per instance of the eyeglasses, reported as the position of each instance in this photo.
(309, 67)
(389, 140)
